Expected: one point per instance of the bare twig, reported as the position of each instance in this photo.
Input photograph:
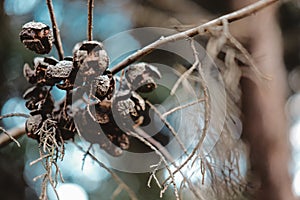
(39, 159)
(169, 126)
(117, 191)
(139, 136)
(164, 155)
(152, 143)
(9, 136)
(153, 175)
(88, 104)
(207, 113)
(15, 115)
(56, 35)
(113, 174)
(14, 133)
(182, 107)
(85, 155)
(183, 77)
(243, 50)
(199, 30)
(90, 20)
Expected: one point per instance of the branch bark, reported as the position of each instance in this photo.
(90, 20)
(56, 35)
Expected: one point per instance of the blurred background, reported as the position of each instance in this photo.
(111, 17)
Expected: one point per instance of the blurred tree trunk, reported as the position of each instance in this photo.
(265, 123)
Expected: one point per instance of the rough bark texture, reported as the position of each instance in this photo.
(265, 124)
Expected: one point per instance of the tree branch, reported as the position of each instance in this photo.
(56, 35)
(244, 12)
(202, 29)
(90, 20)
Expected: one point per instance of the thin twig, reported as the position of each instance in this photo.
(164, 115)
(90, 20)
(243, 50)
(199, 30)
(139, 136)
(15, 115)
(39, 159)
(120, 182)
(14, 133)
(117, 191)
(56, 35)
(153, 175)
(183, 77)
(154, 144)
(10, 137)
(85, 155)
(88, 104)
(207, 113)
(168, 125)
(121, 79)
(160, 151)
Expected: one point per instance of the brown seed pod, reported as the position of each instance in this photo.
(110, 147)
(140, 77)
(69, 80)
(67, 127)
(123, 141)
(104, 86)
(104, 135)
(119, 139)
(37, 37)
(41, 70)
(60, 71)
(115, 135)
(103, 112)
(90, 58)
(32, 125)
(37, 75)
(124, 105)
(29, 74)
(128, 109)
(48, 71)
(39, 100)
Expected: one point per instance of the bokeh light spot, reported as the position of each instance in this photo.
(69, 191)
(295, 136)
(296, 183)
(19, 7)
(14, 105)
(58, 94)
(293, 107)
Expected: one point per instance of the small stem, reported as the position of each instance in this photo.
(56, 35)
(164, 115)
(13, 133)
(90, 20)
(14, 115)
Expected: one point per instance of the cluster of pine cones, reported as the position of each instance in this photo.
(84, 77)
